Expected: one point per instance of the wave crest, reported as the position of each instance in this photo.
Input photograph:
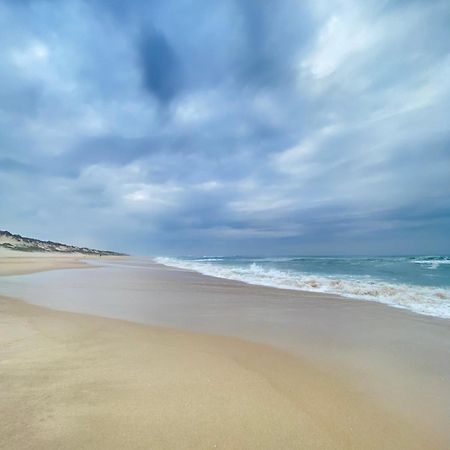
(425, 300)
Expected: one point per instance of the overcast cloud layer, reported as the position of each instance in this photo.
(227, 126)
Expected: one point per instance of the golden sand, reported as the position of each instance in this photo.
(19, 263)
(72, 381)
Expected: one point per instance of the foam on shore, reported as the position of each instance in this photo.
(427, 300)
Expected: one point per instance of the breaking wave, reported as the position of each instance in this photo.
(427, 300)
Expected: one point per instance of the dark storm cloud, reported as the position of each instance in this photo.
(233, 126)
(270, 38)
(160, 66)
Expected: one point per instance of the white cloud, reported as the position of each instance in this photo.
(209, 186)
(341, 37)
(32, 55)
(150, 198)
(195, 108)
(300, 159)
(128, 188)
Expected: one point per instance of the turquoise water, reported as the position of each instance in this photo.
(418, 283)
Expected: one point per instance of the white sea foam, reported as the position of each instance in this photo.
(431, 301)
(432, 262)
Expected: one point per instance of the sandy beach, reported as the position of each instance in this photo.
(19, 263)
(181, 360)
(224, 225)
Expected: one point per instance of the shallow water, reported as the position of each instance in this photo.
(418, 283)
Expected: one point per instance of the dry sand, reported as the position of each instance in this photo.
(72, 381)
(18, 263)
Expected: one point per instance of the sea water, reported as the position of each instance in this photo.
(418, 283)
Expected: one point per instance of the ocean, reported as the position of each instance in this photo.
(418, 283)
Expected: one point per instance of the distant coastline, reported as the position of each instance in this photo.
(17, 242)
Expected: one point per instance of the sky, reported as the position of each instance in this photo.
(224, 127)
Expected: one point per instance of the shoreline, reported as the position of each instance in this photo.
(317, 294)
(321, 407)
(438, 293)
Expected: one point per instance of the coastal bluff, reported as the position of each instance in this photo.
(25, 244)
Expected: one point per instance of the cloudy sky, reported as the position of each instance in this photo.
(227, 126)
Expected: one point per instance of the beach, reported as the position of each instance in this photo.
(126, 353)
